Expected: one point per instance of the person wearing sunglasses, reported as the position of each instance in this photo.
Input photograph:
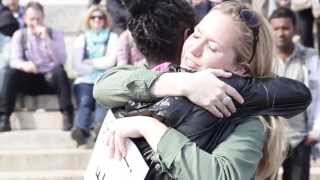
(177, 144)
(94, 52)
(118, 13)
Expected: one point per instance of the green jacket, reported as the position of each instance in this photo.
(236, 158)
(120, 84)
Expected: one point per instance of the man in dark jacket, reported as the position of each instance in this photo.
(8, 24)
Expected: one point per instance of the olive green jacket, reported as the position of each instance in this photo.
(236, 158)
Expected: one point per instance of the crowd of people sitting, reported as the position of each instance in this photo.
(33, 57)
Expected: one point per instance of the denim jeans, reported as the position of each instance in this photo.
(89, 113)
(53, 82)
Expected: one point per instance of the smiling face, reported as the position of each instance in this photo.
(33, 18)
(211, 44)
(97, 20)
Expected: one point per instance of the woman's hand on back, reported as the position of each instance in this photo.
(202, 88)
(206, 90)
(133, 127)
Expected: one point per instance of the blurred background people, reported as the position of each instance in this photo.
(4, 57)
(128, 53)
(118, 12)
(94, 52)
(36, 66)
(8, 24)
(4, 51)
(6, 20)
(201, 8)
(16, 9)
(300, 63)
(303, 9)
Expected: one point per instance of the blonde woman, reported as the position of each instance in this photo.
(240, 45)
(94, 52)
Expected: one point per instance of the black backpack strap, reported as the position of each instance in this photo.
(106, 43)
(50, 33)
(24, 42)
(85, 52)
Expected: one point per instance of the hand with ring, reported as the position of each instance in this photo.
(214, 95)
(226, 100)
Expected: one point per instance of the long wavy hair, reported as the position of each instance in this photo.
(260, 64)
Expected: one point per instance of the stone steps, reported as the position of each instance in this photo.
(36, 120)
(36, 139)
(42, 175)
(46, 101)
(37, 148)
(43, 159)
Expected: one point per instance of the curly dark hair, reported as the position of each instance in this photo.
(158, 27)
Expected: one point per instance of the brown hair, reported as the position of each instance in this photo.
(36, 6)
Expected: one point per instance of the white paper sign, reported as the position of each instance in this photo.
(102, 167)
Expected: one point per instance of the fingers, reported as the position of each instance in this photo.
(110, 144)
(215, 111)
(234, 94)
(223, 108)
(121, 146)
(230, 91)
(117, 153)
(220, 73)
(117, 146)
(231, 107)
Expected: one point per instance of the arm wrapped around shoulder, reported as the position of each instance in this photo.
(271, 96)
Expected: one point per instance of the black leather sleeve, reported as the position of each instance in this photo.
(270, 96)
(277, 96)
(263, 96)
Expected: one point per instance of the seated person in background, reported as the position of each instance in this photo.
(119, 14)
(173, 112)
(16, 9)
(4, 58)
(8, 24)
(128, 52)
(4, 51)
(36, 66)
(94, 52)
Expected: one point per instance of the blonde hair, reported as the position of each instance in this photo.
(94, 8)
(262, 65)
(275, 148)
